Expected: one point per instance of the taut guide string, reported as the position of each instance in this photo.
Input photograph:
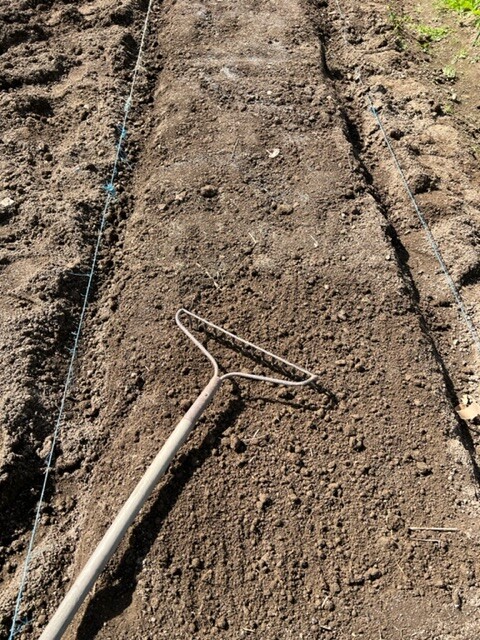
(110, 196)
(428, 232)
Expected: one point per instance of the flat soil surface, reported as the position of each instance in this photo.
(257, 190)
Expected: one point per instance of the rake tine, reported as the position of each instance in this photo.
(256, 353)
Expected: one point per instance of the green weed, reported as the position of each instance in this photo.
(430, 34)
(399, 23)
(398, 20)
(449, 72)
(406, 27)
(464, 6)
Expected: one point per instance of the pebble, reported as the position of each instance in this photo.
(221, 623)
(334, 587)
(373, 573)
(10, 567)
(236, 444)
(263, 501)
(396, 134)
(7, 205)
(41, 620)
(285, 209)
(457, 599)
(356, 443)
(423, 469)
(329, 606)
(208, 191)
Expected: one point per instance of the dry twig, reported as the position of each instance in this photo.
(445, 529)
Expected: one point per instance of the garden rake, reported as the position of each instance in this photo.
(110, 541)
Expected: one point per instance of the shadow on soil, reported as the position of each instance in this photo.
(113, 599)
(462, 430)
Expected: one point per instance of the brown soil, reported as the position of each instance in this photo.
(288, 513)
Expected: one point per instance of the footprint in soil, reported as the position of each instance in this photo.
(40, 73)
(12, 36)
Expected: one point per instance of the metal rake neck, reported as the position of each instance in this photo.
(245, 343)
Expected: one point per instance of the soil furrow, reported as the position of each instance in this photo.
(448, 205)
(57, 144)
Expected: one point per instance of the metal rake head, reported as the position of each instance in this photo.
(249, 348)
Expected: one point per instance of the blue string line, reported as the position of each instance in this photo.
(110, 195)
(428, 232)
(21, 626)
(431, 240)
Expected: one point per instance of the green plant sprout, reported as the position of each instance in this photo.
(398, 20)
(465, 6)
(449, 72)
(430, 34)
(405, 26)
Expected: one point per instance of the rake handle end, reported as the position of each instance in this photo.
(112, 538)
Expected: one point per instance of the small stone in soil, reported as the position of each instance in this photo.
(208, 191)
(263, 501)
(236, 444)
(221, 623)
(423, 469)
(373, 573)
(285, 209)
(457, 599)
(7, 205)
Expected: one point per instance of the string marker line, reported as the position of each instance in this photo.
(110, 190)
(475, 336)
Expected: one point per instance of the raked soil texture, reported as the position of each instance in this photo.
(256, 189)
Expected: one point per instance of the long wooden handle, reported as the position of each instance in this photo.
(110, 541)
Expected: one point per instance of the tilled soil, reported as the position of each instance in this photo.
(257, 191)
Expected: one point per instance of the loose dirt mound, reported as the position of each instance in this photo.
(258, 192)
